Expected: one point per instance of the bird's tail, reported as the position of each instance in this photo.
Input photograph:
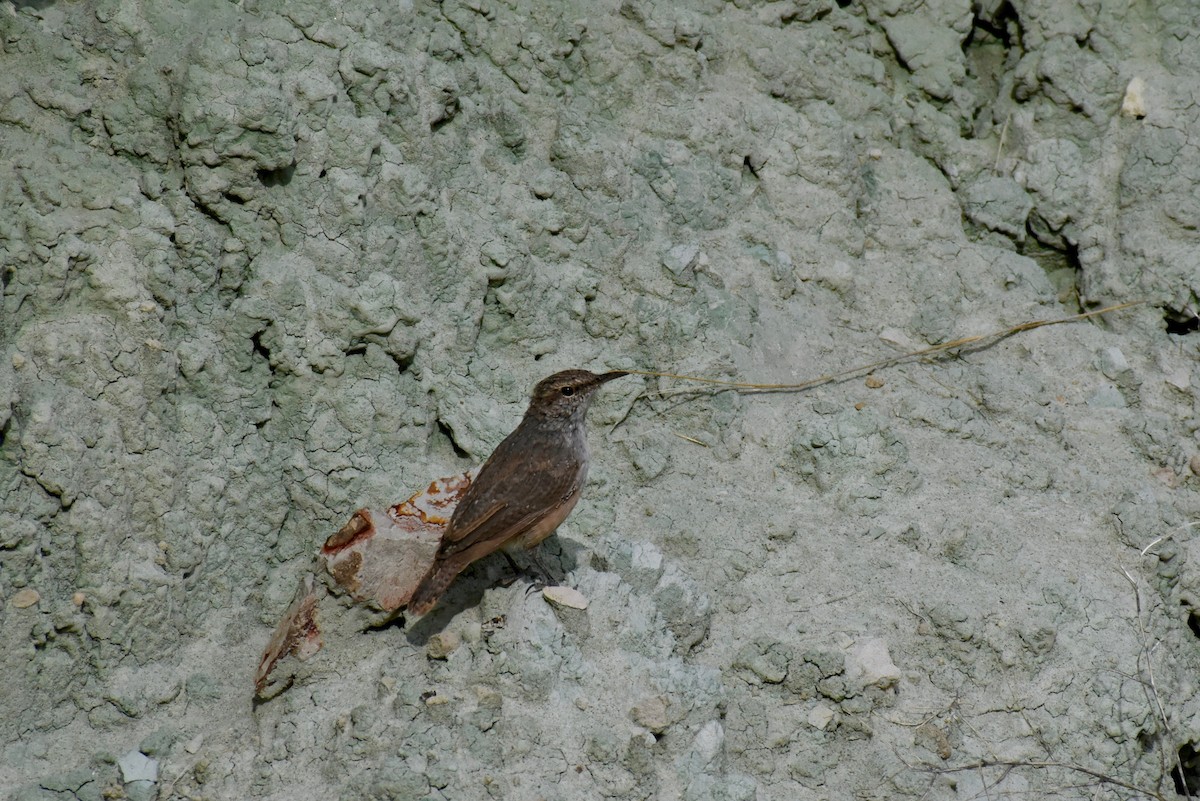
(436, 581)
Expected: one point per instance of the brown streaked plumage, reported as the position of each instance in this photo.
(526, 488)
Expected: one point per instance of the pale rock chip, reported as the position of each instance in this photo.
(565, 597)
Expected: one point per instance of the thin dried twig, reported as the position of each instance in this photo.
(1000, 146)
(1012, 764)
(692, 440)
(954, 344)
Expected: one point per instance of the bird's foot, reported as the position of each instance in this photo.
(537, 575)
(540, 576)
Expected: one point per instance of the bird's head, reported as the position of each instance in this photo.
(567, 394)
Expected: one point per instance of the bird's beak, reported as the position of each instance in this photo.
(606, 377)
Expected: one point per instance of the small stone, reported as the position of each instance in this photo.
(18, 361)
(1112, 363)
(1194, 464)
(442, 644)
(193, 745)
(873, 382)
(651, 714)
(869, 662)
(78, 598)
(820, 717)
(680, 257)
(26, 598)
(707, 743)
(1134, 104)
(137, 767)
(565, 597)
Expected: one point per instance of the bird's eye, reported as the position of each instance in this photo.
(568, 391)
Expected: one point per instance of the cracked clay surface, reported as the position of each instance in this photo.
(265, 263)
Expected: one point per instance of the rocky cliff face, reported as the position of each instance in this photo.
(265, 263)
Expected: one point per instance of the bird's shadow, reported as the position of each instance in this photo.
(558, 555)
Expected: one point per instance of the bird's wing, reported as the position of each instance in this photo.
(502, 502)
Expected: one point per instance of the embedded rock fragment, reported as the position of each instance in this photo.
(296, 635)
(376, 558)
(380, 558)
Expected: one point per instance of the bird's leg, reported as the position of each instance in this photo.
(517, 571)
(542, 578)
(538, 575)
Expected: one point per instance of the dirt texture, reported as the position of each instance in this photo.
(267, 263)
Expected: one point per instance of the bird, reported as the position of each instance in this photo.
(525, 489)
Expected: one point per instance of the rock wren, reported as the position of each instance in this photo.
(526, 488)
